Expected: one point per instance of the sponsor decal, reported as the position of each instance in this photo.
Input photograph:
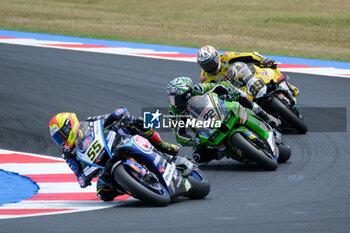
(237, 151)
(161, 169)
(143, 172)
(168, 173)
(143, 144)
(110, 138)
(179, 181)
(204, 134)
(187, 185)
(250, 135)
(156, 159)
(135, 168)
(87, 142)
(228, 75)
(119, 111)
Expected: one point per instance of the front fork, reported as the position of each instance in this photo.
(140, 171)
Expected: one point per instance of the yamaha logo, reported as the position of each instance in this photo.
(143, 144)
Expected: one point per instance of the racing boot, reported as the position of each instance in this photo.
(160, 144)
(203, 155)
(271, 120)
(104, 192)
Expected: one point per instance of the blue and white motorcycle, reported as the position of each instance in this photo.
(131, 165)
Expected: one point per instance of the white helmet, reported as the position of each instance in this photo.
(208, 59)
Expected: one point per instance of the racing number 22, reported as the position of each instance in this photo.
(94, 150)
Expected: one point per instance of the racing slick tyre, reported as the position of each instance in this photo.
(200, 186)
(285, 153)
(254, 153)
(287, 115)
(122, 173)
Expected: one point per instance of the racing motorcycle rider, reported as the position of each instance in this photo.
(216, 67)
(181, 89)
(64, 129)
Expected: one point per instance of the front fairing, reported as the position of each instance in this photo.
(93, 145)
(258, 82)
(202, 109)
(219, 117)
(274, 80)
(233, 118)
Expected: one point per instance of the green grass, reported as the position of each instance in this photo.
(318, 29)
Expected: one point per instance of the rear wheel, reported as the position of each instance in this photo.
(151, 192)
(265, 160)
(288, 116)
(200, 186)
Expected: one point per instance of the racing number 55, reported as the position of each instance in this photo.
(94, 150)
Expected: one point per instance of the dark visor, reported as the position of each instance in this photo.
(61, 136)
(177, 100)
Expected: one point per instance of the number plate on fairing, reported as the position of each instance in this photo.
(256, 87)
(91, 143)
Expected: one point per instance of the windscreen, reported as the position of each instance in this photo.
(83, 133)
(202, 108)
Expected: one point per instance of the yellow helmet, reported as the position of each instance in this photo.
(64, 129)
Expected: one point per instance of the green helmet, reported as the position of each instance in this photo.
(179, 91)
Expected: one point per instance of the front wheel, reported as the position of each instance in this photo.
(200, 185)
(152, 193)
(265, 160)
(287, 115)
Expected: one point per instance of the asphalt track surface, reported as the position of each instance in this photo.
(310, 193)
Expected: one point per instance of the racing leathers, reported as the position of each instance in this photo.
(223, 89)
(228, 58)
(134, 126)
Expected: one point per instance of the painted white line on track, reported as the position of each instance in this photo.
(155, 54)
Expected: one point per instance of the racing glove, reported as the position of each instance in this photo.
(83, 181)
(136, 121)
(130, 121)
(73, 165)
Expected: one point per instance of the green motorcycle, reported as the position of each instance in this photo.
(235, 130)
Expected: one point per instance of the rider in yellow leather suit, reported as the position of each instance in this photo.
(216, 67)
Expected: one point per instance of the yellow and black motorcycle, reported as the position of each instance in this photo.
(270, 89)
